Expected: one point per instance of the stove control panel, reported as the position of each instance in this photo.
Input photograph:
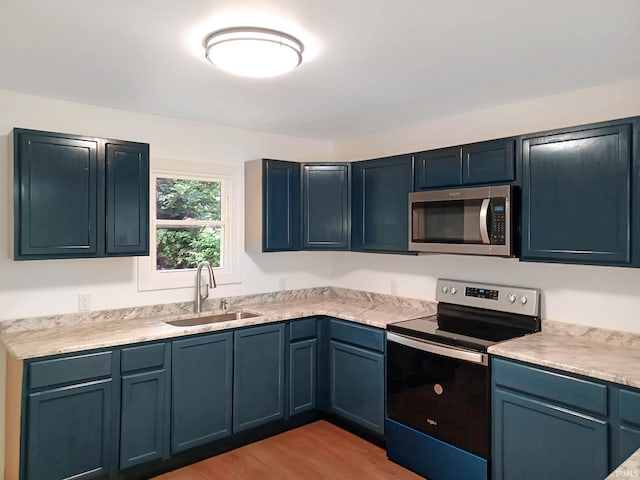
(525, 301)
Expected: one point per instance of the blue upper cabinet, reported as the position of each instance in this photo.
(577, 197)
(380, 193)
(79, 196)
(55, 195)
(489, 162)
(438, 168)
(259, 378)
(326, 201)
(281, 205)
(474, 164)
(127, 198)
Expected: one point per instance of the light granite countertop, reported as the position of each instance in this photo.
(630, 468)
(38, 337)
(598, 353)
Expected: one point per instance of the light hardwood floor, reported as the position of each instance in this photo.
(316, 451)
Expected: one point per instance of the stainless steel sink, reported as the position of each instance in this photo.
(220, 317)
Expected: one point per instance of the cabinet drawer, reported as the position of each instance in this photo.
(141, 357)
(360, 335)
(581, 394)
(69, 369)
(301, 329)
(629, 406)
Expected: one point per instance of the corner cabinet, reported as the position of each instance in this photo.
(577, 195)
(79, 196)
(474, 164)
(380, 202)
(304, 206)
(326, 206)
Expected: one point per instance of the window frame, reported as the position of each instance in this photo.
(149, 277)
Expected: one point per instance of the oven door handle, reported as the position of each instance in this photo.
(452, 352)
(484, 228)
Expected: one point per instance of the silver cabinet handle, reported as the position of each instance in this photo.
(484, 232)
(452, 352)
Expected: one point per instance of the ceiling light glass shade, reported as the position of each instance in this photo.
(253, 52)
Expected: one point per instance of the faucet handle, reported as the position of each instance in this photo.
(224, 304)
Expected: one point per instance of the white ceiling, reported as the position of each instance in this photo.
(370, 65)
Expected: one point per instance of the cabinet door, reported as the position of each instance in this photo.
(489, 162)
(69, 432)
(280, 205)
(577, 196)
(201, 390)
(143, 429)
(326, 217)
(55, 196)
(127, 198)
(258, 387)
(438, 168)
(302, 376)
(380, 219)
(535, 439)
(626, 424)
(356, 384)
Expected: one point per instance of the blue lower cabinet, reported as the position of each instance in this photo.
(69, 432)
(535, 439)
(258, 373)
(143, 422)
(626, 424)
(201, 390)
(302, 376)
(356, 385)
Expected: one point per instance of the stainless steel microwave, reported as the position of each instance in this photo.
(476, 221)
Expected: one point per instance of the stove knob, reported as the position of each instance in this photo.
(512, 298)
(454, 290)
(523, 300)
(445, 289)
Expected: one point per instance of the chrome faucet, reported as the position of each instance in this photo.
(197, 306)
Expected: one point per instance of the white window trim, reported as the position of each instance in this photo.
(229, 273)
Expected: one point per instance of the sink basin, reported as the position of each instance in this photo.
(220, 317)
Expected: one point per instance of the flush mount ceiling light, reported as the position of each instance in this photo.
(253, 51)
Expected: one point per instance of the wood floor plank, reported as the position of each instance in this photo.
(318, 451)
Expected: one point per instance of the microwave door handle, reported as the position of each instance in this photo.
(484, 231)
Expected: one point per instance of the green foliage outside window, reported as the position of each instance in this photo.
(182, 246)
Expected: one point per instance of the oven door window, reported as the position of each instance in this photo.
(440, 396)
(449, 221)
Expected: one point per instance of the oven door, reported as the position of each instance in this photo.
(440, 390)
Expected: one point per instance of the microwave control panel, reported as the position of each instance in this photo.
(497, 219)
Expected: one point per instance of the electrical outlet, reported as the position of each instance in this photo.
(283, 284)
(84, 302)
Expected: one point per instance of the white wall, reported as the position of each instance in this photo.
(30, 288)
(597, 296)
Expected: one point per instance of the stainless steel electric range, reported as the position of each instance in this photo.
(438, 377)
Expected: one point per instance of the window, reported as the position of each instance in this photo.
(191, 221)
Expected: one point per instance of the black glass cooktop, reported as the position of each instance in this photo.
(467, 327)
